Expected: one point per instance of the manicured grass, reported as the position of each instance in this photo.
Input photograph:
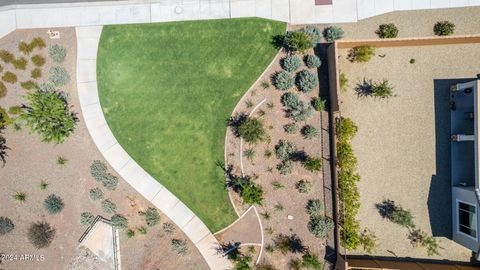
(167, 89)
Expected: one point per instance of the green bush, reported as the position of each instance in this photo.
(303, 186)
(402, 217)
(38, 60)
(306, 81)
(368, 241)
(36, 73)
(361, 54)
(6, 225)
(58, 76)
(285, 167)
(20, 63)
(6, 56)
(15, 110)
(285, 150)
(346, 129)
(314, 33)
(298, 41)
(20, 197)
(119, 222)
(290, 100)
(313, 164)
(312, 61)
(319, 104)
(382, 89)
(320, 226)
(302, 113)
(152, 217)
(53, 204)
(291, 63)
(333, 33)
(28, 85)
(41, 234)
(130, 233)
(57, 53)
(24, 47)
(142, 230)
(343, 82)
(311, 261)
(291, 128)
(3, 90)
(48, 114)
(252, 194)
(283, 81)
(249, 154)
(96, 194)
(179, 246)
(108, 206)
(9, 77)
(444, 28)
(388, 30)
(310, 132)
(314, 208)
(252, 130)
(86, 218)
(38, 42)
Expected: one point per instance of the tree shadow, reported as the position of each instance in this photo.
(230, 249)
(364, 88)
(278, 41)
(386, 208)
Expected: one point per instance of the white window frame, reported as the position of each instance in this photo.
(458, 219)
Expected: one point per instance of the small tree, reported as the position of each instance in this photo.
(333, 33)
(119, 222)
(252, 130)
(298, 41)
(291, 63)
(388, 30)
(313, 164)
(53, 204)
(361, 54)
(283, 81)
(152, 217)
(41, 234)
(443, 28)
(6, 225)
(320, 226)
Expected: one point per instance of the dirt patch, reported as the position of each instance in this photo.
(29, 161)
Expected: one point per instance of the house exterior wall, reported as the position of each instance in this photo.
(466, 195)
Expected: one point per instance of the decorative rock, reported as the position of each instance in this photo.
(290, 217)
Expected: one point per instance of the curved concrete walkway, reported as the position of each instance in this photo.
(126, 167)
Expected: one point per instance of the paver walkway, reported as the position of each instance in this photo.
(87, 46)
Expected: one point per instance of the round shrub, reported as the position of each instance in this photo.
(38, 42)
(3, 90)
(38, 60)
(86, 218)
(291, 63)
(319, 104)
(118, 221)
(58, 76)
(388, 30)
(9, 77)
(314, 207)
(333, 33)
(303, 186)
(96, 194)
(6, 56)
(252, 194)
(152, 217)
(285, 168)
(291, 128)
(284, 150)
(312, 61)
(298, 41)
(443, 28)
(41, 234)
(20, 63)
(108, 206)
(283, 81)
(179, 246)
(36, 73)
(57, 53)
(252, 130)
(24, 47)
(53, 204)
(361, 54)
(306, 81)
(290, 100)
(6, 225)
(28, 85)
(320, 226)
(314, 34)
(313, 164)
(310, 132)
(168, 228)
(302, 112)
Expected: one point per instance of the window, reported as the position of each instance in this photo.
(467, 219)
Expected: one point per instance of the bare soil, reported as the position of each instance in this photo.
(29, 161)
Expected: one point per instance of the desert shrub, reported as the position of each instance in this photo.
(310, 132)
(311, 261)
(28, 85)
(252, 194)
(41, 234)
(249, 154)
(264, 266)
(98, 170)
(290, 100)
(302, 112)
(265, 84)
(49, 115)
(388, 30)
(306, 81)
(96, 194)
(36, 73)
(119, 222)
(395, 213)
(277, 185)
(285, 150)
(46, 87)
(20, 197)
(20, 63)
(283, 81)
(6, 56)
(314, 33)
(346, 129)
(412, 61)
(142, 230)
(333, 33)
(152, 217)
(86, 218)
(108, 206)
(38, 42)
(38, 60)
(382, 89)
(252, 130)
(15, 110)
(420, 238)
(57, 53)
(9, 77)
(285, 167)
(368, 241)
(62, 160)
(43, 185)
(320, 226)
(24, 47)
(58, 76)
(291, 63)
(361, 54)
(168, 228)
(3, 90)
(314, 207)
(312, 61)
(6, 225)
(298, 41)
(179, 246)
(319, 104)
(303, 186)
(53, 204)
(291, 128)
(130, 233)
(443, 28)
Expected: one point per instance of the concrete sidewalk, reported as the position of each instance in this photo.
(126, 167)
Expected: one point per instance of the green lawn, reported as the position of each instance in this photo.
(167, 89)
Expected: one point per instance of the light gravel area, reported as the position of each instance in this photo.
(29, 161)
(402, 144)
(415, 23)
